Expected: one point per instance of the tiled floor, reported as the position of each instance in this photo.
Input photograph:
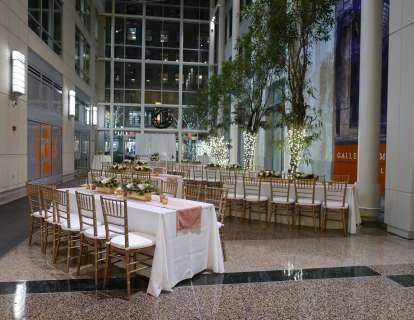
(310, 276)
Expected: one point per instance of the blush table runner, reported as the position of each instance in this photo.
(188, 212)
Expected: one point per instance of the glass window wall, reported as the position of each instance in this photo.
(162, 76)
(45, 19)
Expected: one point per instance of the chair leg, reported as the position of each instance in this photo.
(128, 275)
(56, 242)
(31, 231)
(344, 223)
(46, 235)
(68, 252)
(222, 244)
(96, 249)
(80, 254)
(107, 265)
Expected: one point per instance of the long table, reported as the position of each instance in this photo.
(178, 255)
(351, 198)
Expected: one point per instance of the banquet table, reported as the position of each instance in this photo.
(351, 198)
(179, 254)
(98, 159)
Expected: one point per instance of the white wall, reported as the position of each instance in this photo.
(15, 34)
(399, 189)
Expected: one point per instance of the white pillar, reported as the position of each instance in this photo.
(370, 105)
(234, 130)
(221, 35)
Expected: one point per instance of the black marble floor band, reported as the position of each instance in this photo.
(280, 275)
(405, 280)
(139, 282)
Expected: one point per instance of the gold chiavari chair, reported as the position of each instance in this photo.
(192, 190)
(108, 173)
(107, 166)
(93, 235)
(335, 204)
(50, 221)
(35, 210)
(68, 226)
(126, 177)
(142, 175)
(282, 204)
(253, 199)
(341, 178)
(212, 175)
(234, 200)
(123, 243)
(93, 173)
(198, 173)
(218, 197)
(306, 202)
(170, 188)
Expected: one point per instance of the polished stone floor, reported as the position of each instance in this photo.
(272, 272)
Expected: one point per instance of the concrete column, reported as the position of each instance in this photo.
(370, 106)
(221, 35)
(234, 130)
(399, 188)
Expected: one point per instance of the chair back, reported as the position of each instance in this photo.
(142, 175)
(335, 192)
(34, 198)
(126, 176)
(341, 178)
(192, 190)
(169, 187)
(47, 196)
(107, 166)
(305, 189)
(62, 207)
(108, 173)
(95, 173)
(87, 211)
(216, 197)
(212, 175)
(252, 187)
(198, 173)
(115, 218)
(280, 188)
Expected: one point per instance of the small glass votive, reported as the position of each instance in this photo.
(164, 199)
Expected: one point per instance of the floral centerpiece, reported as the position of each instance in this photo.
(139, 190)
(139, 163)
(213, 166)
(119, 167)
(235, 166)
(155, 157)
(105, 184)
(268, 174)
(142, 168)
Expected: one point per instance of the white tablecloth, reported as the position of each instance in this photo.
(98, 159)
(178, 255)
(351, 198)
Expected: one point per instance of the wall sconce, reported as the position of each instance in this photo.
(94, 115)
(18, 69)
(72, 101)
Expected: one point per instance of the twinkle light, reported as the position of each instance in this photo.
(216, 148)
(249, 148)
(296, 142)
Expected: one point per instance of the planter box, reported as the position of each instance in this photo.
(105, 190)
(135, 196)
